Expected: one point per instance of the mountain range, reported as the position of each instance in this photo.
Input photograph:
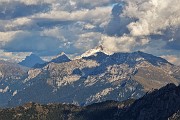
(88, 79)
(162, 104)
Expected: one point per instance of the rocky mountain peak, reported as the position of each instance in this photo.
(131, 59)
(150, 58)
(62, 57)
(60, 54)
(31, 60)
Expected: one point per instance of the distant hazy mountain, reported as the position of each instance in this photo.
(97, 78)
(60, 58)
(163, 104)
(31, 60)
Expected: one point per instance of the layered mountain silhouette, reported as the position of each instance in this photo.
(94, 78)
(91, 78)
(162, 104)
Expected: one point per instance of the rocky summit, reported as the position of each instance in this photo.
(60, 58)
(31, 61)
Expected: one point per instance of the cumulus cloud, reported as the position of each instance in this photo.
(13, 56)
(117, 25)
(124, 43)
(116, 44)
(96, 16)
(154, 24)
(7, 36)
(153, 16)
(88, 40)
(15, 9)
(51, 26)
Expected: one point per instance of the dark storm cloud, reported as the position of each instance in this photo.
(49, 23)
(118, 24)
(37, 43)
(32, 43)
(11, 10)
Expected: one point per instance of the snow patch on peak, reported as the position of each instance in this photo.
(4, 90)
(60, 58)
(139, 59)
(59, 55)
(93, 51)
(14, 93)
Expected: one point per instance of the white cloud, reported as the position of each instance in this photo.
(93, 2)
(55, 33)
(97, 15)
(78, 25)
(29, 2)
(153, 16)
(87, 41)
(7, 36)
(15, 24)
(89, 26)
(118, 44)
(13, 57)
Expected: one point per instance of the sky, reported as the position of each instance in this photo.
(48, 27)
